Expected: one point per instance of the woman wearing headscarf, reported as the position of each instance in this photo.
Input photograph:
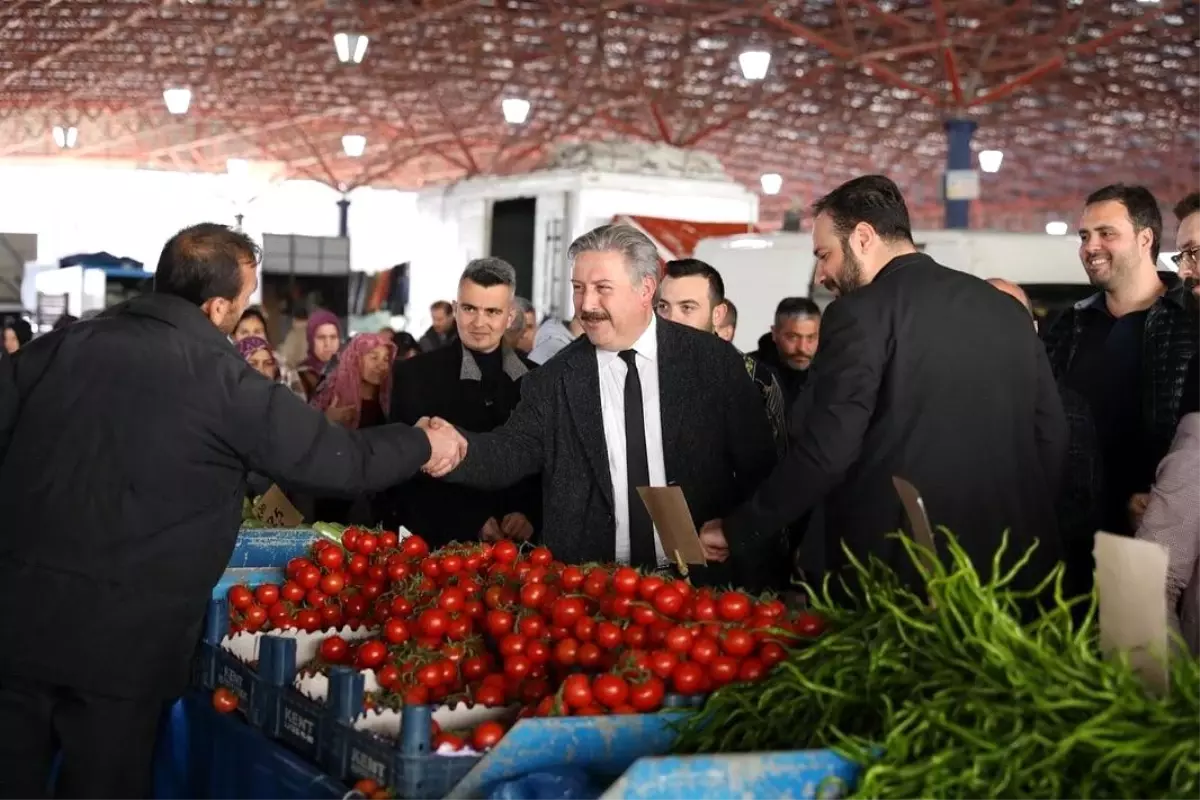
(258, 354)
(253, 324)
(356, 394)
(324, 334)
(17, 334)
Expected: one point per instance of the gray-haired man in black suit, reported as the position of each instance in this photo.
(597, 429)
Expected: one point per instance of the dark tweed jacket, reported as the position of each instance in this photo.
(717, 443)
(1169, 343)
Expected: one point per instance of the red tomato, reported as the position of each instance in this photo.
(431, 568)
(595, 587)
(662, 663)
(557, 634)
(267, 594)
(331, 615)
(504, 552)
(240, 597)
(733, 606)
(371, 653)
(254, 618)
(350, 538)
(292, 592)
(517, 667)
(377, 573)
(571, 578)
(567, 611)
(607, 635)
(541, 557)
(647, 695)
(451, 565)
(533, 594)
(644, 614)
(279, 612)
(809, 625)
(358, 564)
(566, 652)
(452, 599)
(414, 547)
(459, 628)
(590, 711)
(577, 691)
(295, 565)
(331, 558)
(474, 609)
(625, 581)
(315, 598)
(490, 695)
(621, 606)
(704, 609)
(738, 643)
(668, 601)
(751, 669)
(474, 668)
(498, 623)
(366, 787)
(723, 670)
(388, 540)
(401, 606)
(430, 675)
(224, 701)
(449, 671)
(396, 631)
(416, 695)
(585, 628)
(309, 577)
(610, 690)
(512, 645)
(309, 620)
(635, 636)
(704, 650)
(679, 639)
(532, 627)
(537, 651)
(688, 678)
(649, 586)
(433, 622)
(397, 568)
(487, 736)
(656, 634)
(333, 582)
(773, 609)
(334, 650)
(367, 543)
(588, 655)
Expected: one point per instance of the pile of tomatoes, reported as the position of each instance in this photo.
(497, 625)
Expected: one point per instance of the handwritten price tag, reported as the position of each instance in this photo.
(274, 510)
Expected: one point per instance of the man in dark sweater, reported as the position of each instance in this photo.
(475, 384)
(790, 346)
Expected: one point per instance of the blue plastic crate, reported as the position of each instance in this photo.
(261, 555)
(288, 716)
(799, 775)
(407, 766)
(602, 747)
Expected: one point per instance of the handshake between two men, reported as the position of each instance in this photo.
(447, 447)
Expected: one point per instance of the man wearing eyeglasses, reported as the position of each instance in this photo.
(1187, 240)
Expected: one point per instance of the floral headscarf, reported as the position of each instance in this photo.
(345, 382)
(250, 344)
(318, 318)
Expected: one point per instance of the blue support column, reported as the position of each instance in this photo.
(958, 156)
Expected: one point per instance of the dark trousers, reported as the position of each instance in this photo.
(107, 743)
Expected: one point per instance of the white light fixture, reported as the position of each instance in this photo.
(237, 167)
(1056, 228)
(771, 182)
(354, 145)
(989, 160)
(516, 110)
(754, 64)
(65, 137)
(178, 100)
(351, 47)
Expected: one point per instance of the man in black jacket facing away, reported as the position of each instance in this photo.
(924, 373)
(124, 467)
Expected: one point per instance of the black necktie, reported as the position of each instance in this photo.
(637, 468)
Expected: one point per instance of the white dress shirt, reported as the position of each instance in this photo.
(612, 407)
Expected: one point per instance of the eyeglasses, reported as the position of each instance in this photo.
(1191, 254)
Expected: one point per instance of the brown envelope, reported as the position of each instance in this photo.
(673, 520)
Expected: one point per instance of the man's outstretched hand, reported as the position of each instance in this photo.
(447, 446)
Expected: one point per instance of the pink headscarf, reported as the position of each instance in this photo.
(318, 318)
(345, 382)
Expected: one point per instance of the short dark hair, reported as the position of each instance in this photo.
(1187, 206)
(203, 262)
(256, 313)
(1141, 206)
(730, 312)
(443, 306)
(688, 267)
(792, 307)
(489, 272)
(873, 199)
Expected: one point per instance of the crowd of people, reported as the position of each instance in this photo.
(128, 442)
